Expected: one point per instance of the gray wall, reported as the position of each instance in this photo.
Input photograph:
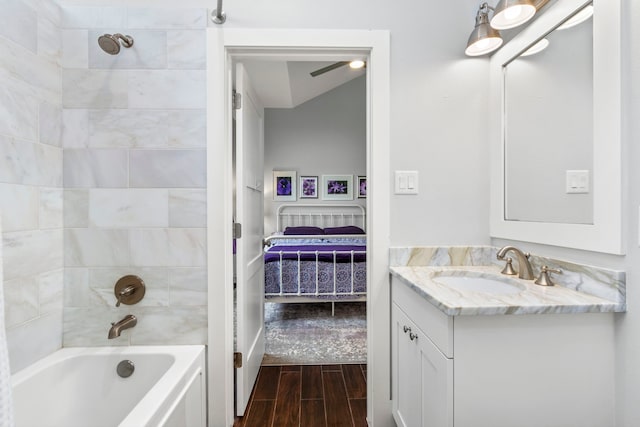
(326, 135)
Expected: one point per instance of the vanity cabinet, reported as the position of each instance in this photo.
(422, 377)
(553, 370)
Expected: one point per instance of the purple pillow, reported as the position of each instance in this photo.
(303, 231)
(347, 229)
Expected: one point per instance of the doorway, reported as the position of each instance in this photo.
(225, 47)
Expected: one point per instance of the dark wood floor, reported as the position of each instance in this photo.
(308, 396)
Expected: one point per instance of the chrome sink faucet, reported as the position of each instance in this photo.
(524, 267)
(128, 321)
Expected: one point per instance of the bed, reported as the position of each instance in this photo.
(318, 253)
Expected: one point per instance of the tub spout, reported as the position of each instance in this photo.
(128, 321)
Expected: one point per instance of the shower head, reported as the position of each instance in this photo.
(110, 43)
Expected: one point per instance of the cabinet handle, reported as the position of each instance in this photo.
(413, 336)
(406, 329)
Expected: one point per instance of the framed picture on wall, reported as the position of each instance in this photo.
(337, 187)
(308, 187)
(284, 186)
(362, 187)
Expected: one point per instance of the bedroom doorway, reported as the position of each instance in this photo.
(313, 311)
(315, 128)
(226, 48)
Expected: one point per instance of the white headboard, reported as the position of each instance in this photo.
(320, 215)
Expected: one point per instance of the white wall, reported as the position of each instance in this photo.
(326, 135)
(31, 178)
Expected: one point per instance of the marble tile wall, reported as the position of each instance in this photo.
(31, 192)
(133, 131)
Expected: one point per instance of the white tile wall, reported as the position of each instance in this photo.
(187, 208)
(49, 40)
(187, 128)
(74, 123)
(167, 168)
(134, 173)
(50, 121)
(94, 89)
(167, 18)
(75, 128)
(19, 23)
(95, 168)
(51, 208)
(21, 300)
(128, 208)
(26, 163)
(50, 290)
(93, 17)
(74, 49)
(188, 286)
(27, 253)
(186, 49)
(34, 339)
(37, 72)
(18, 114)
(92, 247)
(20, 205)
(167, 89)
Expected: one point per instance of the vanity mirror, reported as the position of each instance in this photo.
(553, 114)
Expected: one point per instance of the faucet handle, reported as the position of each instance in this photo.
(508, 268)
(544, 279)
(129, 290)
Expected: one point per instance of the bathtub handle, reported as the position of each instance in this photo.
(125, 293)
(129, 290)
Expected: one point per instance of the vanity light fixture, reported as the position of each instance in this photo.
(484, 38)
(356, 64)
(536, 48)
(584, 14)
(512, 13)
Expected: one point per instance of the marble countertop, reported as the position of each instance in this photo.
(532, 299)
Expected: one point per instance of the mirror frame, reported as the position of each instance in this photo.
(605, 234)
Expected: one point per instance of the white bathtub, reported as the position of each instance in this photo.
(79, 387)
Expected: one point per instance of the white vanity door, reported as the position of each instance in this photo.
(422, 377)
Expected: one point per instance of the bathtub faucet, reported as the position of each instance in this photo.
(128, 321)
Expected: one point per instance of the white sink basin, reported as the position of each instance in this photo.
(485, 285)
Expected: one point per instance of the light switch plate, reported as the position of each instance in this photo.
(406, 182)
(577, 181)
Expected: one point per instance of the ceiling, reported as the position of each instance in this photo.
(287, 84)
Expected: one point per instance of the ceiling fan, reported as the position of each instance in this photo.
(356, 64)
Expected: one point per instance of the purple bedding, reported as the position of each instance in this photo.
(344, 279)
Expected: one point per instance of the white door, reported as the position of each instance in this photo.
(249, 213)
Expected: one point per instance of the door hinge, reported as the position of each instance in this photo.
(236, 100)
(237, 360)
(237, 230)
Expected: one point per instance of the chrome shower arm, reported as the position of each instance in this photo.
(218, 16)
